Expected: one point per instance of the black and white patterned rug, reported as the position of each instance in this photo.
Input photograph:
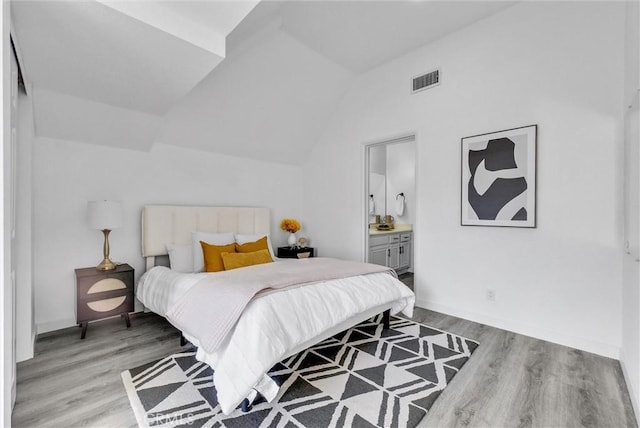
(363, 377)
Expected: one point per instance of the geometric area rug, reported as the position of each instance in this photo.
(363, 377)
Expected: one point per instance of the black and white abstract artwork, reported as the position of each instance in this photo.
(499, 178)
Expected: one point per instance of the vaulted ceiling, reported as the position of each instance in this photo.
(257, 80)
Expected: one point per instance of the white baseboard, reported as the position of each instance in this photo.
(48, 326)
(633, 394)
(583, 344)
(13, 394)
(24, 355)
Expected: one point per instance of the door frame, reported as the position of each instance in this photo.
(404, 137)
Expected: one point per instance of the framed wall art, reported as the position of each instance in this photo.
(499, 178)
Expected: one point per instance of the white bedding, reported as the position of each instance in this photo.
(278, 324)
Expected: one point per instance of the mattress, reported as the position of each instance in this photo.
(279, 324)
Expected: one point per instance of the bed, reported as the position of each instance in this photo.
(276, 323)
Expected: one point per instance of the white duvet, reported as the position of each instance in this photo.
(278, 324)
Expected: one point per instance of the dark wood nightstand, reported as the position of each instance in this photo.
(295, 253)
(102, 294)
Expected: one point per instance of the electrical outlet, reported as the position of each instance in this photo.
(491, 294)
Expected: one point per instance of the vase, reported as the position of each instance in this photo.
(292, 240)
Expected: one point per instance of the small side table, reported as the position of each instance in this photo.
(295, 253)
(102, 294)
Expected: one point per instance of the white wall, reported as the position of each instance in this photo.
(378, 181)
(7, 343)
(401, 178)
(377, 188)
(378, 159)
(630, 348)
(558, 65)
(25, 316)
(67, 174)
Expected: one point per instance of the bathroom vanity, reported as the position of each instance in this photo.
(392, 248)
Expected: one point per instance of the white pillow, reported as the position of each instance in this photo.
(243, 239)
(209, 238)
(181, 257)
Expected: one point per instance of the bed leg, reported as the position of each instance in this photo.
(183, 341)
(245, 405)
(386, 319)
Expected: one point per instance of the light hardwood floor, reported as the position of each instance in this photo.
(510, 381)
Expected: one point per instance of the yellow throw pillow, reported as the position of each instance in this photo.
(252, 247)
(212, 255)
(238, 260)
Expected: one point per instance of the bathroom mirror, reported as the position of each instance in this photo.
(391, 181)
(377, 182)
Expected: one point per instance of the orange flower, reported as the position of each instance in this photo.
(291, 225)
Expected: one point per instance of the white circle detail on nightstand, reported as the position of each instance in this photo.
(106, 284)
(107, 305)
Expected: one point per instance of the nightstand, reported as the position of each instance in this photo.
(102, 294)
(295, 253)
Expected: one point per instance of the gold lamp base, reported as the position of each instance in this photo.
(106, 264)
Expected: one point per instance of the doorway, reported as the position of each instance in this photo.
(390, 202)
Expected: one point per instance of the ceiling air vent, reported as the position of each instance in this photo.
(426, 81)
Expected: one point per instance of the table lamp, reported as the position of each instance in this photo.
(105, 216)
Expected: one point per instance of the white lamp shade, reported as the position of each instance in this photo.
(105, 215)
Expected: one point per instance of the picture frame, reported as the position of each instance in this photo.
(498, 178)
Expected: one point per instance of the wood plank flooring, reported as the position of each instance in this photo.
(510, 381)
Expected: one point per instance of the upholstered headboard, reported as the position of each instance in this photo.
(167, 224)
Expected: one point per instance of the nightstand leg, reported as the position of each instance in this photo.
(84, 329)
(126, 319)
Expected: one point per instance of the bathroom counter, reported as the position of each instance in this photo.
(398, 229)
